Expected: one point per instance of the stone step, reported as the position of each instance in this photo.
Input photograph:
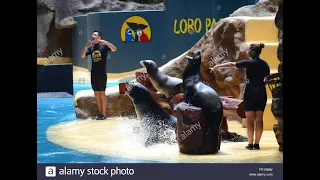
(261, 29)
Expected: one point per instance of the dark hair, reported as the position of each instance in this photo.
(257, 48)
(99, 33)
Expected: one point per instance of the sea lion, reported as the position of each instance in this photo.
(156, 122)
(199, 94)
(163, 83)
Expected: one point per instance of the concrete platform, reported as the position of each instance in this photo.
(123, 138)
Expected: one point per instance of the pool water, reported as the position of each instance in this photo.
(52, 111)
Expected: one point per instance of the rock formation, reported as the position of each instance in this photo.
(261, 8)
(279, 25)
(223, 43)
(117, 104)
(278, 127)
(195, 136)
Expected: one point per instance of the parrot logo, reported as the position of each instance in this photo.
(135, 29)
(129, 36)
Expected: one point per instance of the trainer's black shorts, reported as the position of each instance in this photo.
(255, 99)
(98, 81)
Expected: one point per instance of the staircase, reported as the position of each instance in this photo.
(263, 30)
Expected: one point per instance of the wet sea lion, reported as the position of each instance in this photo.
(156, 122)
(163, 83)
(199, 94)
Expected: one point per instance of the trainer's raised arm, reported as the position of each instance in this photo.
(84, 52)
(225, 65)
(110, 45)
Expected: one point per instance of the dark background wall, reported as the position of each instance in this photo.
(55, 78)
(168, 38)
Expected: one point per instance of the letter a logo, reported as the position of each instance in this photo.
(50, 171)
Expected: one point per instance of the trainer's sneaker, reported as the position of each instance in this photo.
(256, 146)
(250, 147)
(97, 116)
(101, 117)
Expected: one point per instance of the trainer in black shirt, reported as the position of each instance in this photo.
(98, 50)
(255, 96)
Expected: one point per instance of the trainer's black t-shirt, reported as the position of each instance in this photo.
(256, 70)
(99, 54)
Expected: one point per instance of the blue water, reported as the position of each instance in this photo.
(52, 111)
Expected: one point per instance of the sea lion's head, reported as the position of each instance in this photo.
(136, 90)
(193, 66)
(150, 65)
(195, 59)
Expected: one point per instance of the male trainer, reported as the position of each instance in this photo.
(99, 49)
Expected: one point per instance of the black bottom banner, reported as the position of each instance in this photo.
(268, 171)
